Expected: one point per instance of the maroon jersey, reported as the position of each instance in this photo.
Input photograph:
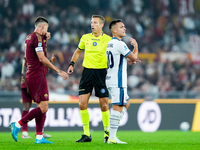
(35, 43)
(23, 75)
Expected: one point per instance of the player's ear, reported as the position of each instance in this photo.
(114, 30)
(42, 26)
(102, 24)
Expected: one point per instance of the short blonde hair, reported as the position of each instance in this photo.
(41, 19)
(102, 19)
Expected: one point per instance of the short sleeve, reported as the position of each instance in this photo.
(81, 44)
(37, 43)
(124, 50)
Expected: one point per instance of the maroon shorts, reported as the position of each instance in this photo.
(38, 88)
(26, 97)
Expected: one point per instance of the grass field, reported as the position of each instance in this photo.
(168, 140)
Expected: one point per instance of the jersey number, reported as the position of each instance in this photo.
(110, 59)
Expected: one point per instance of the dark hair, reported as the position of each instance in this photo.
(114, 22)
(102, 19)
(41, 19)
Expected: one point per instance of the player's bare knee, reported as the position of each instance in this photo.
(44, 109)
(83, 106)
(26, 106)
(104, 104)
(26, 109)
(127, 105)
(104, 107)
(44, 106)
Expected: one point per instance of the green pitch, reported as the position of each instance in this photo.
(168, 140)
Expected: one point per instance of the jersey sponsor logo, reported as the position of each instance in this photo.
(57, 117)
(94, 44)
(103, 90)
(108, 77)
(110, 45)
(46, 96)
(39, 44)
(125, 47)
(96, 39)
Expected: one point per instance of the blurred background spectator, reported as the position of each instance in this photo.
(167, 32)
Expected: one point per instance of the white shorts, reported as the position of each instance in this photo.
(119, 96)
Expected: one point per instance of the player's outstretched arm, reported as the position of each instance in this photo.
(73, 60)
(47, 63)
(63, 74)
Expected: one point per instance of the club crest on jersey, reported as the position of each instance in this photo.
(39, 44)
(46, 96)
(103, 90)
(125, 47)
(94, 44)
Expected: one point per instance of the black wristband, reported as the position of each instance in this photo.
(72, 63)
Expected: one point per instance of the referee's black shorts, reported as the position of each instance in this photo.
(93, 78)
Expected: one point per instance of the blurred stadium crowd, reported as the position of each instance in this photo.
(159, 26)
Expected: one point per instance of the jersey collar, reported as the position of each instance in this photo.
(99, 35)
(115, 38)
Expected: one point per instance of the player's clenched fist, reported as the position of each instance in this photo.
(48, 35)
(130, 62)
(133, 42)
